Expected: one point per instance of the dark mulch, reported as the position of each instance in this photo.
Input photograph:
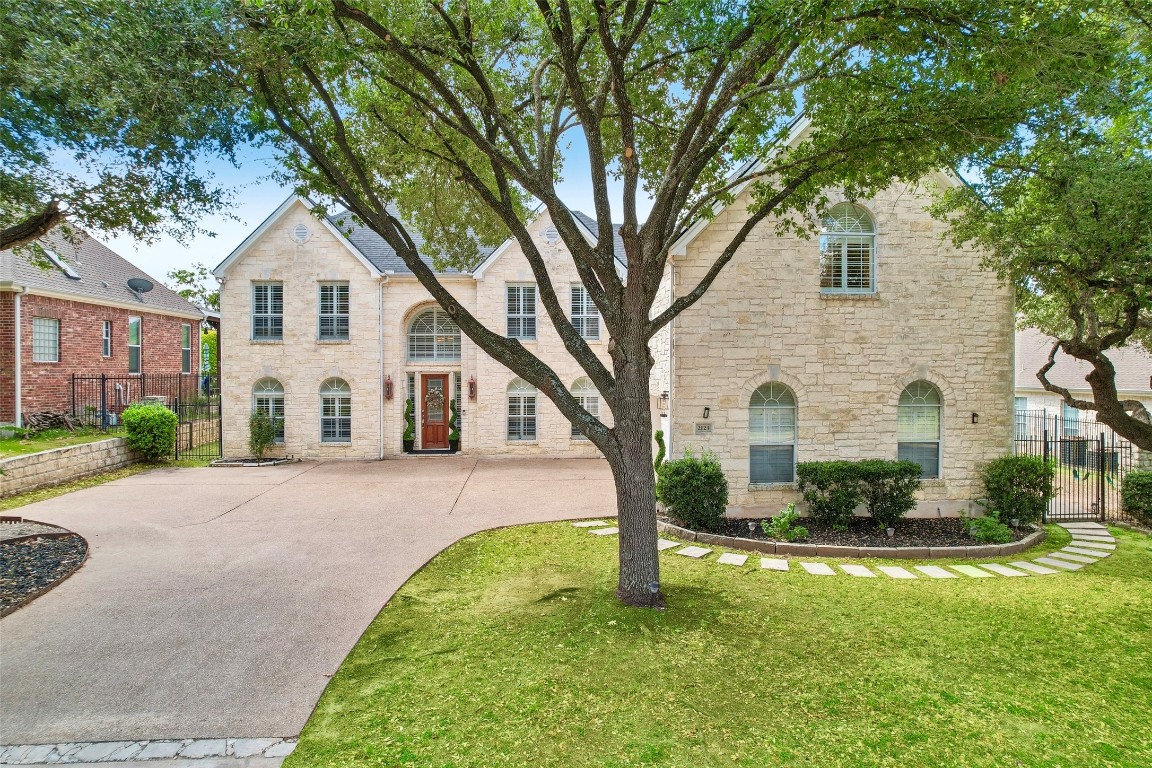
(30, 566)
(930, 532)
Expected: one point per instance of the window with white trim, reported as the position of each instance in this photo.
(848, 251)
(1020, 405)
(45, 340)
(106, 339)
(434, 337)
(185, 348)
(586, 394)
(135, 344)
(521, 411)
(772, 434)
(585, 314)
(267, 311)
(335, 411)
(268, 398)
(333, 320)
(918, 418)
(1071, 417)
(521, 309)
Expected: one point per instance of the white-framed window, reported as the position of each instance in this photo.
(333, 320)
(918, 418)
(848, 251)
(185, 348)
(335, 411)
(585, 393)
(772, 434)
(1020, 406)
(433, 336)
(1071, 417)
(585, 314)
(267, 311)
(268, 398)
(135, 344)
(521, 306)
(45, 340)
(521, 411)
(106, 339)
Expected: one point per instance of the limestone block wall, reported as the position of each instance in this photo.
(60, 465)
(935, 316)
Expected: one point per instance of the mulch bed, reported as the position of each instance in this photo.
(862, 532)
(30, 567)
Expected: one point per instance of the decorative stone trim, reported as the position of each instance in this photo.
(87, 752)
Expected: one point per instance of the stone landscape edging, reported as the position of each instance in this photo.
(825, 550)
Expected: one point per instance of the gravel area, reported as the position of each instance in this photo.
(928, 532)
(30, 566)
(25, 528)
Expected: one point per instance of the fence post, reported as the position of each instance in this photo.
(1044, 515)
(219, 415)
(1105, 463)
(74, 395)
(103, 402)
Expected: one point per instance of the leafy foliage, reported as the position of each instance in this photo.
(1018, 487)
(782, 526)
(211, 342)
(409, 420)
(1136, 496)
(660, 450)
(150, 430)
(889, 488)
(262, 430)
(989, 530)
(694, 491)
(197, 286)
(454, 420)
(831, 489)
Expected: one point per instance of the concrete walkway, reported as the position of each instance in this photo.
(217, 602)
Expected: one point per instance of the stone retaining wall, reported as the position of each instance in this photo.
(60, 465)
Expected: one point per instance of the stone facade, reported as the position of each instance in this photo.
(61, 465)
(935, 316)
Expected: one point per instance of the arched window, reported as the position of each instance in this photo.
(918, 427)
(335, 411)
(588, 396)
(848, 251)
(772, 434)
(521, 411)
(433, 336)
(268, 398)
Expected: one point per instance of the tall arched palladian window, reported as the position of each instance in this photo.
(848, 251)
(918, 427)
(585, 393)
(433, 336)
(772, 434)
(335, 411)
(268, 398)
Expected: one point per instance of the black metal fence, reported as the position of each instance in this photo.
(1090, 461)
(99, 401)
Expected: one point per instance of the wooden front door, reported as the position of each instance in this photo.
(434, 414)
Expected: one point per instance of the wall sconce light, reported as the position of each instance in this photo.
(387, 387)
(663, 403)
(975, 418)
(471, 387)
(707, 411)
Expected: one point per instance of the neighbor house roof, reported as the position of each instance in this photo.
(85, 269)
(1133, 365)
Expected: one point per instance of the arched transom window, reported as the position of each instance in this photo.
(848, 251)
(918, 427)
(521, 411)
(585, 393)
(772, 434)
(335, 411)
(268, 398)
(434, 337)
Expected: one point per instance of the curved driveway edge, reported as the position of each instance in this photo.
(219, 602)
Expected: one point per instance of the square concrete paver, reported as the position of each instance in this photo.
(896, 572)
(731, 558)
(205, 748)
(973, 571)
(1100, 545)
(663, 544)
(606, 531)
(1062, 564)
(1003, 570)
(818, 569)
(1074, 558)
(696, 552)
(1037, 569)
(857, 570)
(773, 564)
(590, 523)
(1087, 552)
(1076, 536)
(935, 572)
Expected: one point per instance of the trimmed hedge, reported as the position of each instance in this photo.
(1018, 487)
(831, 489)
(1136, 496)
(694, 491)
(889, 488)
(150, 430)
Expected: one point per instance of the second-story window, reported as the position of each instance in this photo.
(333, 312)
(521, 312)
(585, 314)
(185, 348)
(848, 251)
(267, 311)
(135, 344)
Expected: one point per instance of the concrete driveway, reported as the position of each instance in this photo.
(218, 602)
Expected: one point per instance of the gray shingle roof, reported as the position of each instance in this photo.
(101, 275)
(617, 241)
(1133, 365)
(383, 256)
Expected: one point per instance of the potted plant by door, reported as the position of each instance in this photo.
(409, 426)
(454, 434)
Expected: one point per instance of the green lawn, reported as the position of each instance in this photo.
(49, 439)
(510, 650)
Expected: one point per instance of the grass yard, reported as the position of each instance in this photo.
(47, 440)
(509, 649)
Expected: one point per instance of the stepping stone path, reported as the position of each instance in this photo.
(1091, 542)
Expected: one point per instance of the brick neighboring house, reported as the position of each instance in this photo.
(80, 317)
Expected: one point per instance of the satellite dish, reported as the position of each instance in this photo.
(139, 285)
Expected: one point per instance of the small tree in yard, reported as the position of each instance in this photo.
(150, 430)
(454, 118)
(262, 430)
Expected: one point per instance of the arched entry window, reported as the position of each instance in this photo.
(335, 411)
(772, 434)
(588, 396)
(918, 427)
(521, 411)
(848, 251)
(433, 337)
(268, 398)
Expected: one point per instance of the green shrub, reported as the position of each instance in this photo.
(262, 430)
(889, 488)
(1019, 487)
(660, 452)
(989, 529)
(832, 490)
(1136, 496)
(453, 419)
(409, 420)
(782, 526)
(150, 430)
(694, 491)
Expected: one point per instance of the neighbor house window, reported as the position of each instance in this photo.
(135, 344)
(267, 311)
(335, 411)
(585, 314)
(106, 339)
(918, 427)
(268, 398)
(521, 411)
(772, 434)
(1020, 404)
(521, 312)
(586, 394)
(1071, 420)
(433, 337)
(45, 340)
(333, 311)
(848, 251)
(185, 348)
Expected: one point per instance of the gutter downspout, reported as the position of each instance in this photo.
(380, 356)
(19, 353)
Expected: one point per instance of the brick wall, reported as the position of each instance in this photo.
(60, 465)
(7, 358)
